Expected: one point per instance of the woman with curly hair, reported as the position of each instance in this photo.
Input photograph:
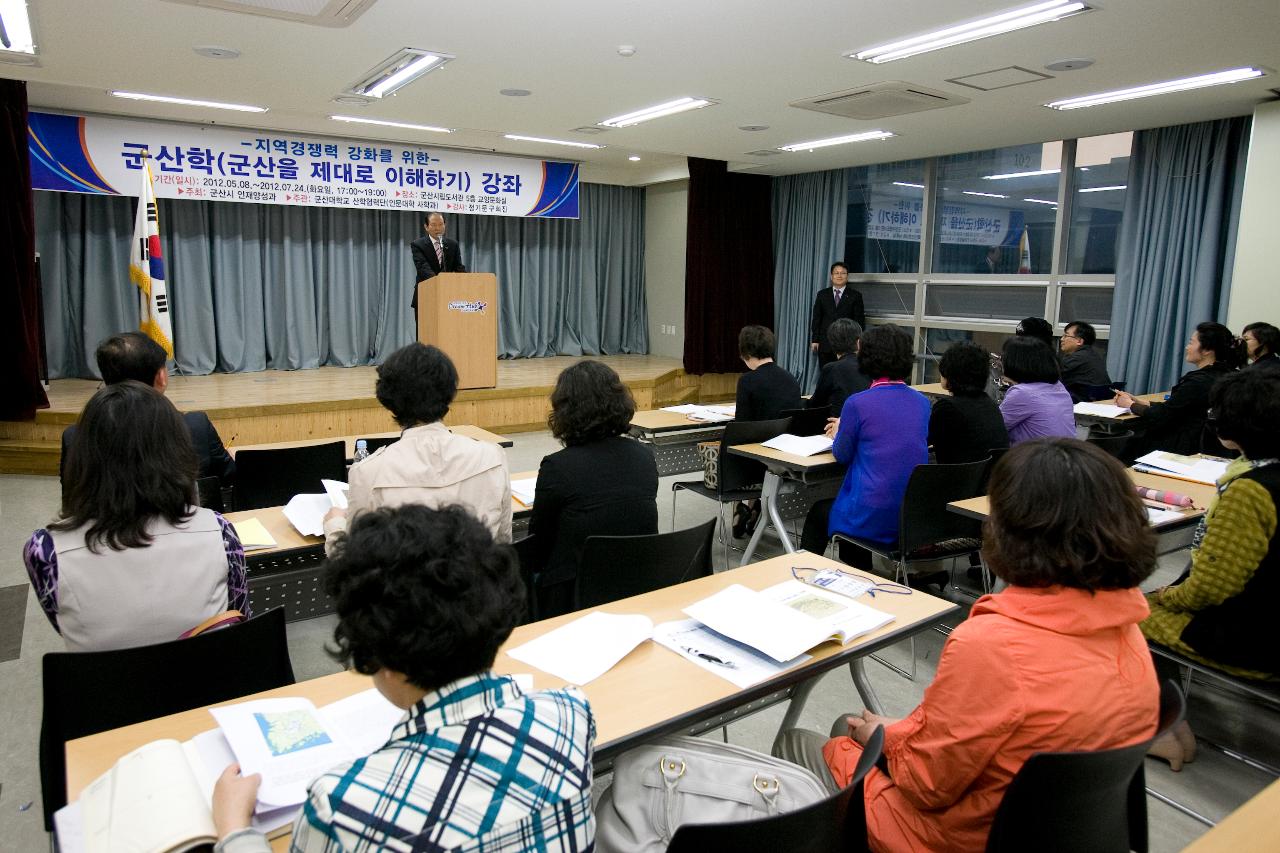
(601, 484)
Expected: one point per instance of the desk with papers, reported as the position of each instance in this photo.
(349, 441)
(674, 436)
(652, 692)
(784, 472)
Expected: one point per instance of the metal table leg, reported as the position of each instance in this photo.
(865, 690)
(768, 499)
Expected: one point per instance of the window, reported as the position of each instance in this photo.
(1098, 185)
(992, 204)
(881, 299)
(984, 301)
(884, 222)
(936, 342)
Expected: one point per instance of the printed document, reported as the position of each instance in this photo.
(733, 661)
(586, 648)
(807, 445)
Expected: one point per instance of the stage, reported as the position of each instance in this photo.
(282, 405)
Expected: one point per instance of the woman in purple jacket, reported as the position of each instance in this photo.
(1036, 404)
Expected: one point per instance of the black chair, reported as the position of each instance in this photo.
(834, 825)
(90, 692)
(1094, 393)
(1069, 801)
(1113, 443)
(807, 421)
(209, 493)
(527, 554)
(271, 477)
(740, 478)
(615, 567)
(994, 454)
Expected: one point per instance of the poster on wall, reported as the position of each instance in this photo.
(958, 224)
(102, 155)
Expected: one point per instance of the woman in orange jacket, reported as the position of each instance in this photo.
(1054, 662)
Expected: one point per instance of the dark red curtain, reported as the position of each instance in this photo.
(728, 271)
(19, 290)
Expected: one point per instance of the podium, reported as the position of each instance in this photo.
(458, 312)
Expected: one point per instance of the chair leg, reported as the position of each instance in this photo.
(673, 508)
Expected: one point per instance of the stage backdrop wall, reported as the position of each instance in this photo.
(257, 287)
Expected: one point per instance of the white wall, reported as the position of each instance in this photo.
(1255, 281)
(666, 217)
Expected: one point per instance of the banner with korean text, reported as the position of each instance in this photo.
(104, 155)
(890, 218)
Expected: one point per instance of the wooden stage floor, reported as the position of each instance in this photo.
(279, 405)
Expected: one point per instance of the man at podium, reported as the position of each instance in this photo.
(434, 253)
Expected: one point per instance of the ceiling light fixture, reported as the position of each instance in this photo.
(987, 195)
(1007, 175)
(1103, 189)
(402, 68)
(838, 140)
(993, 25)
(634, 159)
(186, 102)
(1217, 78)
(400, 124)
(679, 105)
(520, 138)
(15, 30)
(905, 184)
(1041, 201)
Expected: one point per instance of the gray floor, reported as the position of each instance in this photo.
(1214, 785)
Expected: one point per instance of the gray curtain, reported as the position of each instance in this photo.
(266, 286)
(1176, 246)
(808, 236)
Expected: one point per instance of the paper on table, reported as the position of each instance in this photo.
(214, 755)
(253, 534)
(524, 489)
(363, 722)
(683, 409)
(586, 648)
(727, 409)
(1104, 410)
(808, 445)
(733, 661)
(1195, 468)
(1157, 517)
(337, 492)
(306, 513)
(710, 415)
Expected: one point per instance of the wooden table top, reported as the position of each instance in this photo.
(1253, 826)
(651, 692)
(281, 529)
(350, 440)
(790, 461)
(656, 420)
(980, 507)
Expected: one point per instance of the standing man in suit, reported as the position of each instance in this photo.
(132, 355)
(434, 253)
(831, 304)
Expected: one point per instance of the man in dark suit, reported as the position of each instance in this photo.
(133, 355)
(434, 253)
(831, 304)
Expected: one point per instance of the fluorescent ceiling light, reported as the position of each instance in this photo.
(838, 140)
(403, 67)
(520, 138)
(1217, 78)
(1014, 19)
(1020, 174)
(679, 105)
(17, 37)
(402, 124)
(1103, 189)
(1041, 201)
(988, 195)
(187, 102)
(905, 184)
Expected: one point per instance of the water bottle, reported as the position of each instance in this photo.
(362, 449)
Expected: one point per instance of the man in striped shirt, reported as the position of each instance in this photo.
(425, 599)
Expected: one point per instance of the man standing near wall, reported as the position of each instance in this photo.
(831, 304)
(434, 253)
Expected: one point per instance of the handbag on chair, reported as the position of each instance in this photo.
(709, 453)
(660, 786)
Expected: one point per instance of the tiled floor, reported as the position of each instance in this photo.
(1213, 786)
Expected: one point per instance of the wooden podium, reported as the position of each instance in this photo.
(458, 312)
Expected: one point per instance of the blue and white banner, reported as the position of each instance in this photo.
(891, 218)
(104, 155)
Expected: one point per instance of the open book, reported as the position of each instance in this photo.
(787, 619)
(158, 797)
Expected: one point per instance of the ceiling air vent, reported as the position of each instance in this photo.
(880, 100)
(324, 13)
(763, 152)
(591, 129)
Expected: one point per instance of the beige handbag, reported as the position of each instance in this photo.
(709, 453)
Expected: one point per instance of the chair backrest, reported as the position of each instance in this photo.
(615, 567)
(209, 493)
(807, 421)
(739, 472)
(1112, 443)
(925, 518)
(90, 692)
(1094, 393)
(272, 477)
(994, 454)
(526, 552)
(834, 825)
(1068, 801)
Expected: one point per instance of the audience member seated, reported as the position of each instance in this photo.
(428, 465)
(841, 378)
(766, 390)
(1054, 662)
(131, 560)
(1028, 327)
(1177, 425)
(424, 600)
(1036, 405)
(881, 435)
(601, 484)
(1082, 365)
(967, 425)
(1261, 346)
(133, 355)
